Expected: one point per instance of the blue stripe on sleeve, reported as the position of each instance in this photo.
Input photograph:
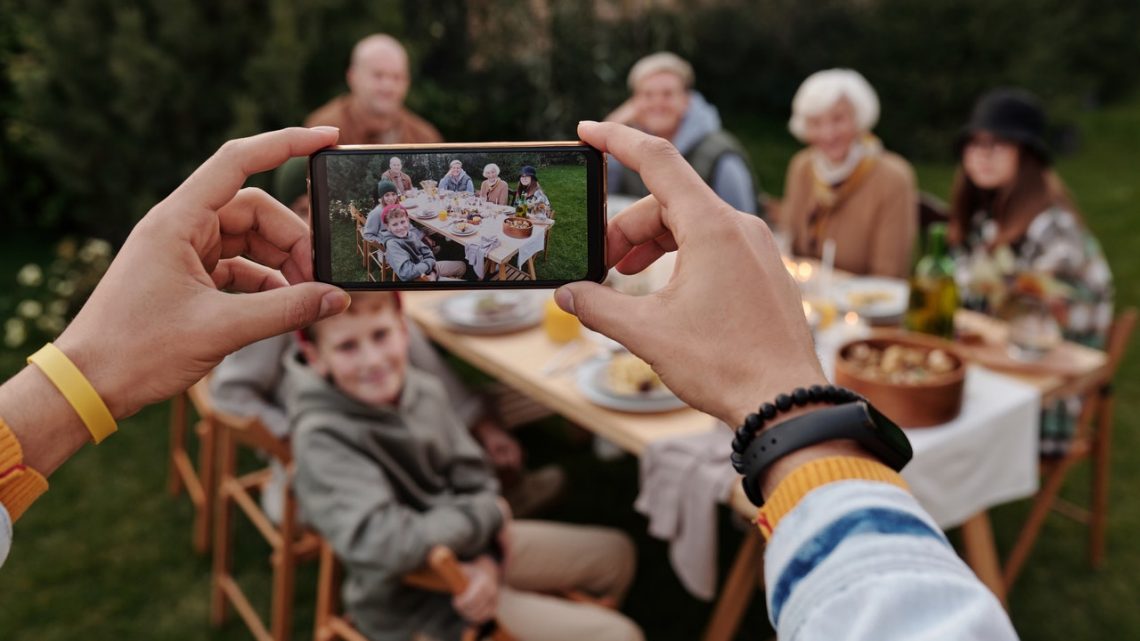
(816, 550)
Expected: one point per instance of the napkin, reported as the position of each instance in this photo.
(682, 481)
(532, 245)
(476, 253)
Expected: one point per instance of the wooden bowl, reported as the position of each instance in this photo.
(934, 400)
(517, 227)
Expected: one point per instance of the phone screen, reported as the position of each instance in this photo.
(458, 216)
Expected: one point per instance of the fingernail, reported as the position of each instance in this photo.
(334, 302)
(565, 300)
(326, 129)
(587, 122)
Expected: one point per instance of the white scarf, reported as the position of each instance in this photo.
(833, 174)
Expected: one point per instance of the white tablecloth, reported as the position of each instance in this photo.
(985, 457)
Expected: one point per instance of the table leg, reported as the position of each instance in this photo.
(530, 268)
(981, 553)
(739, 588)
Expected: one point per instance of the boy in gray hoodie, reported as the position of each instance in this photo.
(408, 254)
(385, 471)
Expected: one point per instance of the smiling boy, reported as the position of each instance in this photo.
(385, 471)
(408, 253)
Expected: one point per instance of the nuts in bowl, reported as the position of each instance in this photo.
(916, 380)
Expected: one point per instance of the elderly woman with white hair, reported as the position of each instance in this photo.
(845, 187)
(493, 189)
(665, 104)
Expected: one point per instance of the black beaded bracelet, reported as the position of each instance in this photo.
(799, 397)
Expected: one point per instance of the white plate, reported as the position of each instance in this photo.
(471, 230)
(459, 312)
(424, 215)
(591, 381)
(896, 296)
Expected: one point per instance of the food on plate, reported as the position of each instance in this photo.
(492, 307)
(900, 364)
(628, 375)
(463, 227)
(867, 298)
(475, 220)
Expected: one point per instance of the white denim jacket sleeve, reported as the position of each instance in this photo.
(5, 534)
(862, 561)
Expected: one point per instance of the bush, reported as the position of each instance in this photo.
(110, 105)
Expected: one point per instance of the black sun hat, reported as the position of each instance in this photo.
(1012, 114)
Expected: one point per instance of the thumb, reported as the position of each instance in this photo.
(604, 310)
(284, 309)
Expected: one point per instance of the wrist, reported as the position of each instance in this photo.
(47, 427)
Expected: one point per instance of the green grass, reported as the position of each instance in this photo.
(106, 554)
(565, 259)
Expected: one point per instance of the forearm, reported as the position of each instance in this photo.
(861, 559)
(48, 429)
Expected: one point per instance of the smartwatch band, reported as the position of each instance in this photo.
(857, 421)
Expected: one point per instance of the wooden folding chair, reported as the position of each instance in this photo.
(440, 574)
(290, 544)
(1092, 440)
(361, 243)
(199, 483)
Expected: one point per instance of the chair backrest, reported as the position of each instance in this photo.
(1119, 337)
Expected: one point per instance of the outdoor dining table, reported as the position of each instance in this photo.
(518, 359)
(490, 227)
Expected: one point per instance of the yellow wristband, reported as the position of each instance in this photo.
(77, 390)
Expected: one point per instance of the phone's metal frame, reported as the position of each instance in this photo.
(568, 145)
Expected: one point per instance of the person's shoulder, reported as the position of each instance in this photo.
(896, 168)
(418, 130)
(800, 162)
(331, 113)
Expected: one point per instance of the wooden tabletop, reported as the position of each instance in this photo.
(517, 359)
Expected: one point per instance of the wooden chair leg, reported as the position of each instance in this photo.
(178, 411)
(326, 594)
(1101, 455)
(738, 589)
(284, 564)
(223, 532)
(1042, 503)
(981, 553)
(207, 453)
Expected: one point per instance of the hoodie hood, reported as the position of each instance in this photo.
(700, 120)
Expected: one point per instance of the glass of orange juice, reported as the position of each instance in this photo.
(443, 214)
(560, 326)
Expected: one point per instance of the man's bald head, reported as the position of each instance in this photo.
(378, 75)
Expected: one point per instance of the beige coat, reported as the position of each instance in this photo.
(874, 227)
(499, 194)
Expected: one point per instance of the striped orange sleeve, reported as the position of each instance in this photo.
(20, 485)
(809, 476)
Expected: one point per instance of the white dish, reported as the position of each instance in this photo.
(461, 313)
(471, 230)
(591, 380)
(889, 296)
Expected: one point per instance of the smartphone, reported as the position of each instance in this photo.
(458, 216)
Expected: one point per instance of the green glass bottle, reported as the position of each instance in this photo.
(933, 292)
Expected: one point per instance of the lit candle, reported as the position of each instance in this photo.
(805, 271)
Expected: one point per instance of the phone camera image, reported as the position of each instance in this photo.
(473, 216)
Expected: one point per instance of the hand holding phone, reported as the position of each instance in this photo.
(525, 215)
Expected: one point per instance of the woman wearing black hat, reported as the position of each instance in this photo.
(1018, 233)
(529, 192)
